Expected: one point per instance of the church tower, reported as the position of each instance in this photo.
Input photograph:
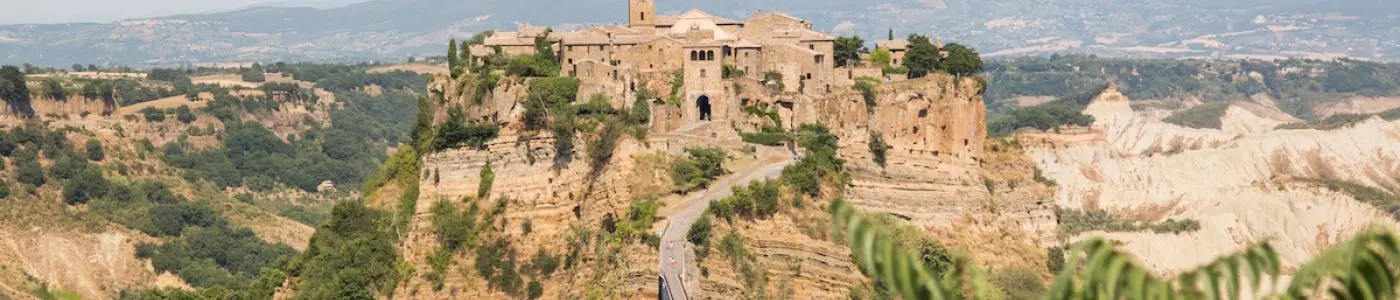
(641, 14)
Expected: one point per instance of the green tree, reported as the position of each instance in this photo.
(78, 68)
(923, 57)
(185, 115)
(87, 185)
(465, 53)
(15, 91)
(4, 190)
(153, 115)
(254, 74)
(27, 161)
(891, 37)
(848, 50)
(453, 58)
(94, 150)
(961, 60)
(882, 57)
(53, 89)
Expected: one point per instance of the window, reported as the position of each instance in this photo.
(644, 16)
(812, 47)
(702, 73)
(710, 54)
(600, 48)
(693, 56)
(571, 61)
(817, 58)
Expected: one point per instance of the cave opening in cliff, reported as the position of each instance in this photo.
(704, 105)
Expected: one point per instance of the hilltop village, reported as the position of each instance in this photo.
(778, 50)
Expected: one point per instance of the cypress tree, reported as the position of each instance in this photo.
(452, 58)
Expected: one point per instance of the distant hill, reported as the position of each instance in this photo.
(395, 29)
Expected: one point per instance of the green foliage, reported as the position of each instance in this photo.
(882, 58)
(548, 97)
(4, 189)
(696, 172)
(351, 256)
(29, 172)
(455, 134)
(1074, 222)
(1040, 177)
(1067, 110)
(820, 162)
(496, 263)
(544, 264)
(923, 57)
(961, 60)
(867, 93)
(254, 74)
(456, 230)
(1200, 117)
(488, 178)
(536, 290)
(730, 71)
(216, 256)
(878, 149)
(600, 150)
(641, 107)
(94, 150)
(153, 115)
(453, 58)
(757, 200)
(532, 66)
(767, 138)
(848, 49)
(87, 185)
(1019, 283)
(185, 115)
(744, 261)
(15, 91)
(699, 233)
(251, 151)
(1055, 259)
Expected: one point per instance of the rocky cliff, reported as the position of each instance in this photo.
(1242, 185)
(935, 174)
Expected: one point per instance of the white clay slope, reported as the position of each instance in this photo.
(1229, 181)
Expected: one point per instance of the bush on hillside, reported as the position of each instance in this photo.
(87, 185)
(153, 115)
(703, 166)
(185, 115)
(94, 150)
(1200, 117)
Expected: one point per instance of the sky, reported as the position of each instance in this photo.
(68, 11)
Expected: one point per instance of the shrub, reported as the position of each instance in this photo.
(766, 138)
(703, 166)
(94, 150)
(730, 71)
(185, 115)
(527, 226)
(29, 172)
(153, 115)
(4, 190)
(455, 134)
(641, 107)
(87, 185)
(536, 290)
(544, 263)
(601, 150)
(1055, 259)
(1073, 222)
(878, 148)
(1200, 117)
(1020, 283)
(488, 178)
(867, 92)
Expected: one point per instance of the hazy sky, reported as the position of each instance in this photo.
(65, 11)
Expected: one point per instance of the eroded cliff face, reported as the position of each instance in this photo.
(935, 175)
(939, 169)
(1241, 185)
(74, 106)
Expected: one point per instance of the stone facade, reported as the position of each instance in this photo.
(697, 44)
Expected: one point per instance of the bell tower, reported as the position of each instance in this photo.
(641, 14)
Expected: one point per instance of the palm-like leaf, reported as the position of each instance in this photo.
(1362, 268)
(902, 273)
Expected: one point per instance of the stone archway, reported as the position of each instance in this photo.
(703, 106)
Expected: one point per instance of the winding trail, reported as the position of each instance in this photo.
(673, 242)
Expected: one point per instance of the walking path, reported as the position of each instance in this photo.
(676, 252)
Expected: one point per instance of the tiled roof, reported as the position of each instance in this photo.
(893, 45)
(695, 14)
(508, 38)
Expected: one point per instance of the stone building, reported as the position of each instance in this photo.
(698, 45)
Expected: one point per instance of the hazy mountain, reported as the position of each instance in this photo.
(395, 29)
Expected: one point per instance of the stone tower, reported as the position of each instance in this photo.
(641, 14)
